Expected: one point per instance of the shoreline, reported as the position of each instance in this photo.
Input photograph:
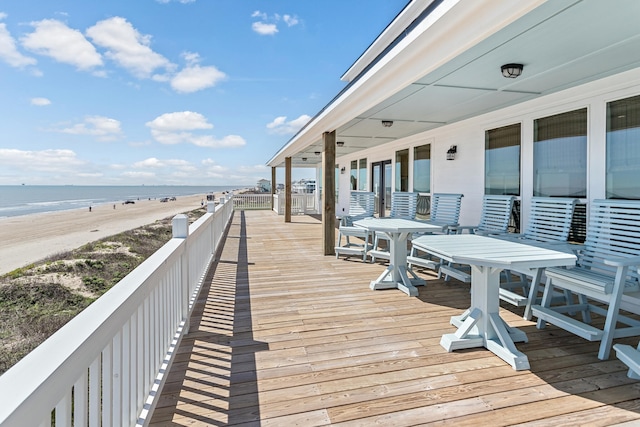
(30, 238)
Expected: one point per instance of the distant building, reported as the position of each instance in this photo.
(264, 186)
(304, 186)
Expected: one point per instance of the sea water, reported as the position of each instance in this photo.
(16, 200)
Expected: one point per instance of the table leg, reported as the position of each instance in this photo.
(395, 276)
(481, 325)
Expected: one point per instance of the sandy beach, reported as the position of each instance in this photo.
(30, 238)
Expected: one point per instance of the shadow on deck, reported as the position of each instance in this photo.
(282, 335)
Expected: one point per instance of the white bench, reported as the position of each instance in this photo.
(631, 357)
(361, 206)
(494, 219)
(606, 272)
(403, 206)
(445, 212)
(549, 224)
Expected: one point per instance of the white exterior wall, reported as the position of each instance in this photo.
(465, 174)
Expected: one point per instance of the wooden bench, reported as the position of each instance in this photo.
(606, 273)
(445, 212)
(404, 206)
(361, 205)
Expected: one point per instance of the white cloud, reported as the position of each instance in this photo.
(54, 39)
(268, 26)
(280, 125)
(173, 164)
(179, 121)
(53, 160)
(264, 29)
(104, 128)
(8, 51)
(40, 102)
(195, 78)
(127, 47)
(176, 128)
(290, 20)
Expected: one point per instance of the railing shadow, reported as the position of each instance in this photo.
(213, 378)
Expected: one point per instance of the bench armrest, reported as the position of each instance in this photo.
(622, 262)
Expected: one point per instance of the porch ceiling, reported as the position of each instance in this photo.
(562, 43)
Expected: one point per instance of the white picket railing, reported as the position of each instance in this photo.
(248, 201)
(301, 203)
(105, 366)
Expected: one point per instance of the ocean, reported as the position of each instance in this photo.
(16, 200)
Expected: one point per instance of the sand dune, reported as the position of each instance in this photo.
(30, 238)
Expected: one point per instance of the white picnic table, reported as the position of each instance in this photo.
(398, 230)
(481, 325)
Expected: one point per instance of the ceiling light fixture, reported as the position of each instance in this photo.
(340, 143)
(317, 153)
(511, 71)
(387, 123)
(304, 159)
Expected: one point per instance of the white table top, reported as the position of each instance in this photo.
(491, 252)
(397, 225)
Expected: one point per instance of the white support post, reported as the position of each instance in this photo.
(180, 225)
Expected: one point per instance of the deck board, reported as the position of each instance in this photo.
(282, 335)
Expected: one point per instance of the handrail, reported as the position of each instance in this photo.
(102, 366)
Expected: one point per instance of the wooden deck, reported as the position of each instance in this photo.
(283, 336)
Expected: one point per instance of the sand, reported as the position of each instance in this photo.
(30, 238)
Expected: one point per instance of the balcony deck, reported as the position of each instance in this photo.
(285, 336)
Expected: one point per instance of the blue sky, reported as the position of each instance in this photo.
(193, 92)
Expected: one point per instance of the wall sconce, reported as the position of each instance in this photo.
(343, 170)
(451, 152)
(387, 123)
(511, 71)
(340, 143)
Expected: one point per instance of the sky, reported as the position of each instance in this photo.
(169, 92)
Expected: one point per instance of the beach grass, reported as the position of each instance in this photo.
(38, 299)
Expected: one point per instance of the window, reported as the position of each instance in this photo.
(402, 170)
(362, 180)
(623, 149)
(422, 169)
(354, 175)
(502, 161)
(560, 155)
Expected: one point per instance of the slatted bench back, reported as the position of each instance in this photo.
(361, 205)
(445, 208)
(404, 205)
(550, 219)
(613, 231)
(496, 212)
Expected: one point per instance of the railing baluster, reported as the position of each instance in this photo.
(107, 392)
(80, 400)
(63, 411)
(94, 392)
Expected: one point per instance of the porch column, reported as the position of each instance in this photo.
(273, 185)
(328, 192)
(287, 189)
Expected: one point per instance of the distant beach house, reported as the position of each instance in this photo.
(304, 186)
(525, 98)
(264, 186)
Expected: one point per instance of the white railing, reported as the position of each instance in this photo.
(252, 201)
(301, 203)
(105, 366)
